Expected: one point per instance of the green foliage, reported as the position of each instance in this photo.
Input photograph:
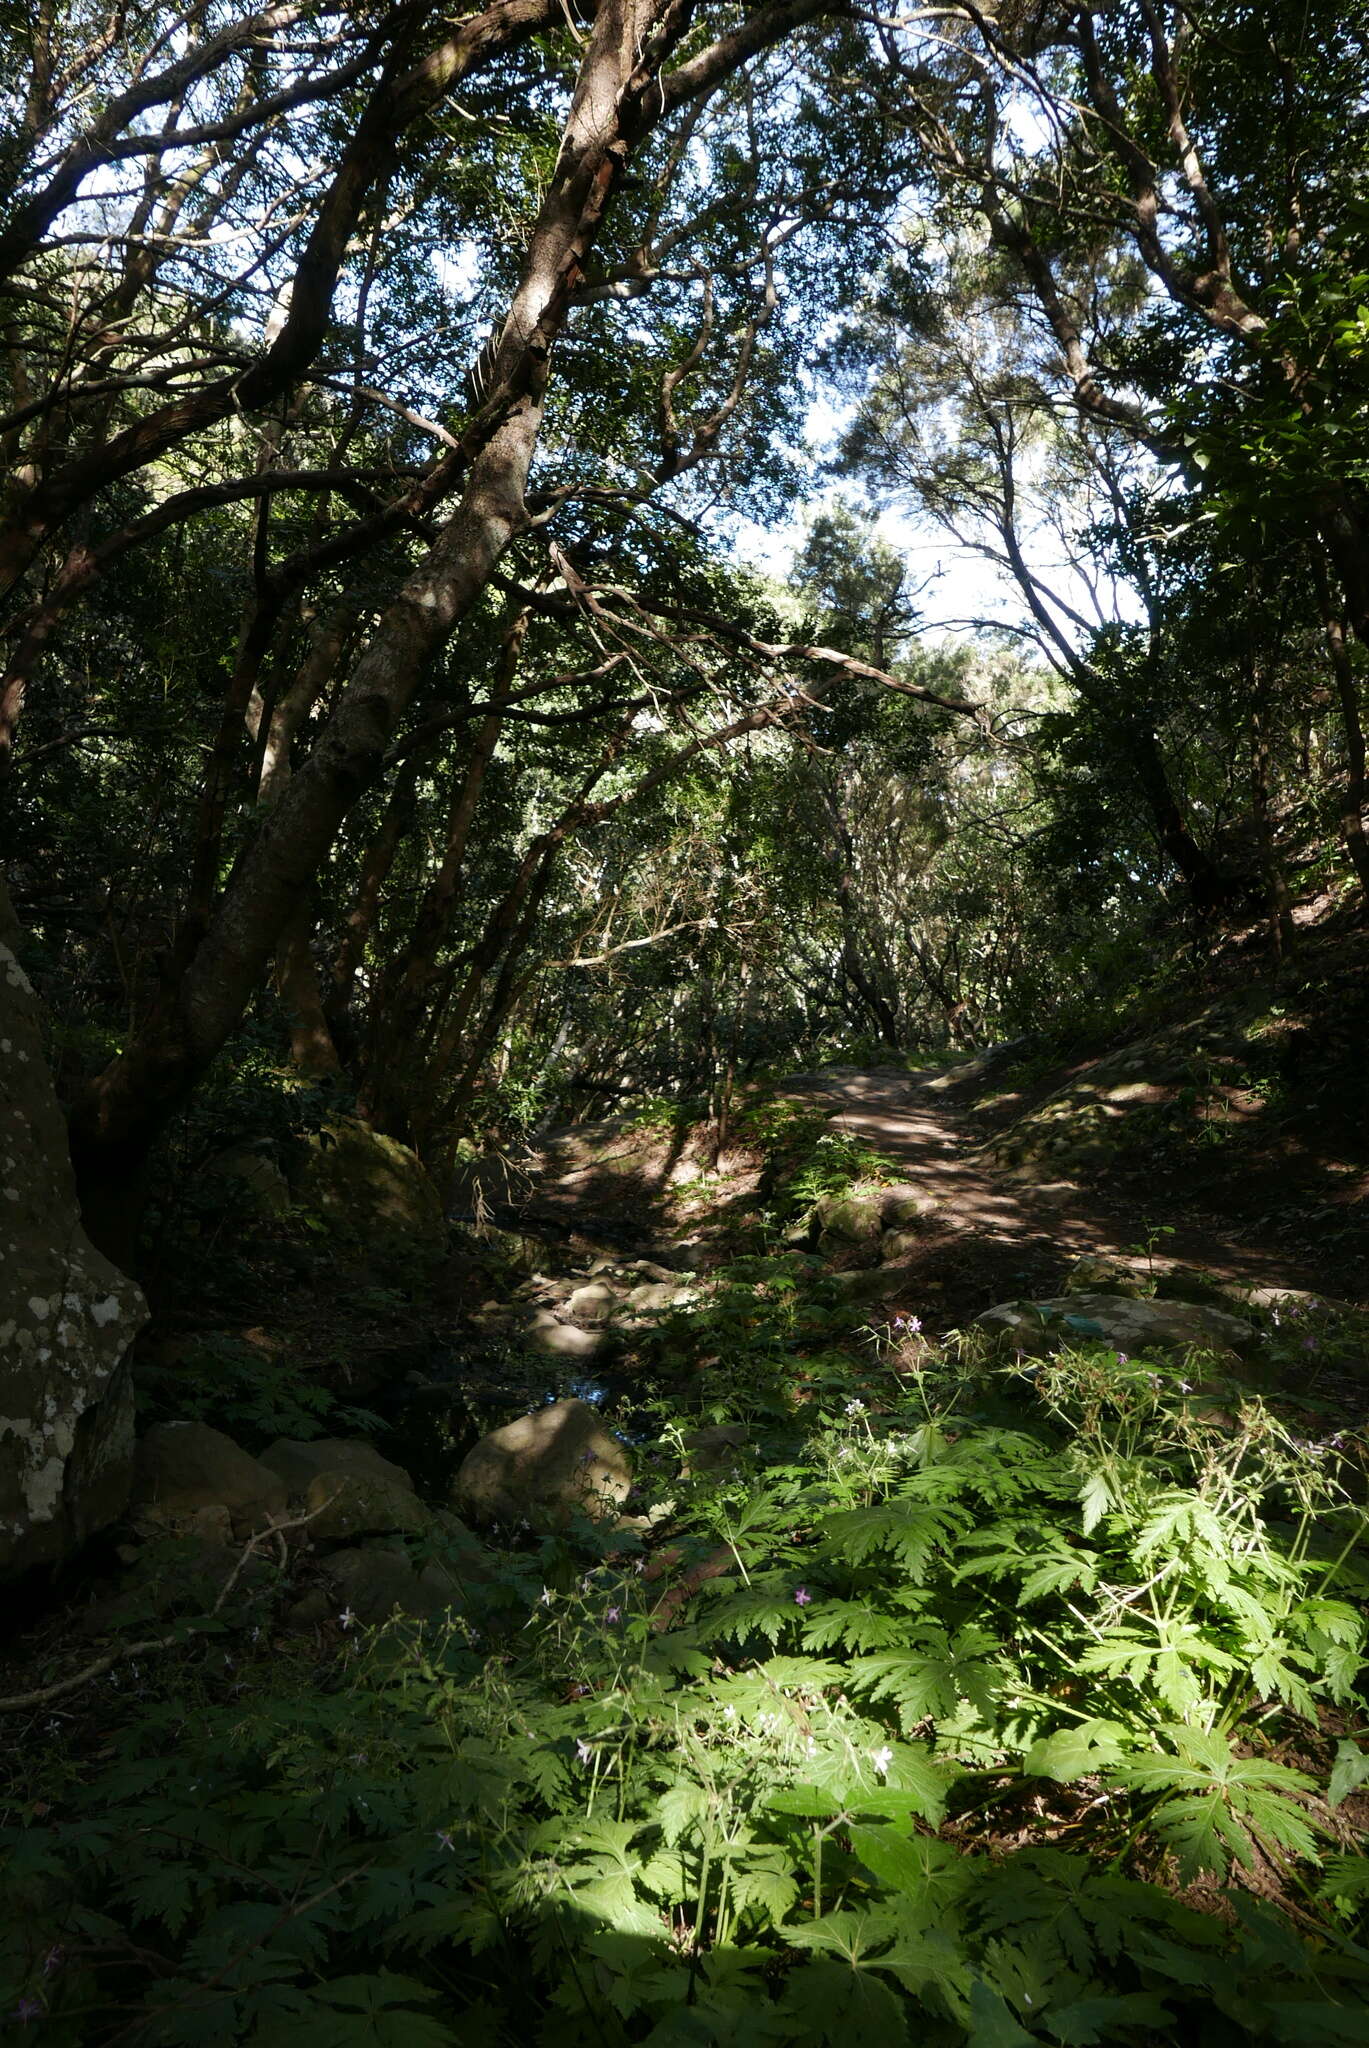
(225, 1380)
(804, 1157)
(945, 1607)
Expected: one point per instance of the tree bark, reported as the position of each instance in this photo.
(1355, 790)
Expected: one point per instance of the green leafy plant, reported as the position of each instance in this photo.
(1071, 1612)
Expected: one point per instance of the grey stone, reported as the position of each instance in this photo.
(67, 1316)
(851, 1219)
(654, 1297)
(297, 1463)
(544, 1467)
(899, 1244)
(374, 1582)
(563, 1340)
(347, 1504)
(370, 1187)
(647, 1269)
(1131, 1326)
(183, 1466)
(593, 1303)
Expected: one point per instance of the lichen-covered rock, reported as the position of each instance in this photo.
(369, 1187)
(184, 1466)
(851, 1219)
(298, 1462)
(67, 1316)
(1135, 1327)
(544, 1467)
(896, 1245)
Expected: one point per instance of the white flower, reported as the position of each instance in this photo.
(855, 1407)
(547, 1596)
(881, 1759)
(584, 1751)
(346, 1617)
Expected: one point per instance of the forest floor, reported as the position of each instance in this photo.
(995, 1229)
(763, 1375)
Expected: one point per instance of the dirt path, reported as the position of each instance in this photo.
(995, 1229)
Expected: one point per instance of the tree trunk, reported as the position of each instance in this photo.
(376, 864)
(296, 980)
(1355, 790)
(118, 1116)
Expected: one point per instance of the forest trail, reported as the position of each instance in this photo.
(991, 1222)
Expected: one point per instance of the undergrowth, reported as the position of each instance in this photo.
(805, 1160)
(989, 1703)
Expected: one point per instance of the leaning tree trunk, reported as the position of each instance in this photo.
(618, 95)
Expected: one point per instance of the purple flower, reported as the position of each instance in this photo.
(53, 1961)
(613, 1614)
(28, 2009)
(802, 1597)
(1122, 1358)
(1310, 1344)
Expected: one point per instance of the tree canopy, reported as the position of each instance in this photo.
(391, 402)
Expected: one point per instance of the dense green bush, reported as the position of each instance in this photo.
(984, 1703)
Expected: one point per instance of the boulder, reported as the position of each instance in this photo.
(371, 1581)
(899, 1244)
(299, 1463)
(545, 1332)
(649, 1269)
(374, 1582)
(654, 1297)
(182, 1467)
(544, 1467)
(592, 1303)
(348, 1504)
(851, 1219)
(901, 1207)
(67, 1316)
(1135, 1327)
(369, 1187)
